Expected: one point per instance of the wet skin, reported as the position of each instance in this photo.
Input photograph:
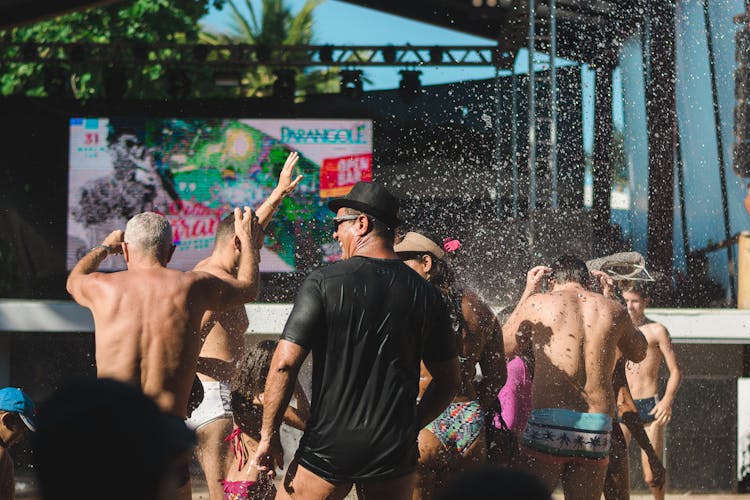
(575, 335)
(148, 318)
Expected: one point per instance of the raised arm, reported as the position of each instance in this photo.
(663, 410)
(513, 325)
(285, 186)
(219, 294)
(80, 278)
(280, 383)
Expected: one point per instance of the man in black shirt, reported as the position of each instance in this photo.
(368, 321)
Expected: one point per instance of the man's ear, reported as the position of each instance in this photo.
(125, 252)
(9, 420)
(646, 301)
(427, 263)
(363, 225)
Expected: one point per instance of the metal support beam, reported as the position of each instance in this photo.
(662, 127)
(731, 292)
(238, 56)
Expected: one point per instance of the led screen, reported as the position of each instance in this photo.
(194, 171)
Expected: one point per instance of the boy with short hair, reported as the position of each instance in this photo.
(17, 413)
(642, 377)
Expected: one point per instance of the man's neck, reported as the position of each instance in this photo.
(375, 248)
(640, 321)
(570, 285)
(144, 263)
(223, 260)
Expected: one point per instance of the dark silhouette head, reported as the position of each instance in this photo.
(113, 439)
(495, 483)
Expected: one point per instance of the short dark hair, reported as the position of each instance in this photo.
(569, 268)
(225, 229)
(637, 287)
(379, 228)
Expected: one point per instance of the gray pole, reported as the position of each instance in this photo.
(732, 293)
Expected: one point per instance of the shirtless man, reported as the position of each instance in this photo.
(643, 377)
(456, 441)
(212, 420)
(575, 334)
(147, 318)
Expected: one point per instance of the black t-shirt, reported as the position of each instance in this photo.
(368, 322)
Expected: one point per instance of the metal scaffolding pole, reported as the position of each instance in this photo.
(732, 292)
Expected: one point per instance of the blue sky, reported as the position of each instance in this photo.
(341, 23)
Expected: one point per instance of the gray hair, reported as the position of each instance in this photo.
(150, 232)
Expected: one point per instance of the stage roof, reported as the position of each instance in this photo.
(588, 30)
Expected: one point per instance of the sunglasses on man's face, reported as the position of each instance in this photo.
(338, 220)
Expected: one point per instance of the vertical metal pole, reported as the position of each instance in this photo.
(499, 188)
(514, 156)
(681, 195)
(553, 101)
(720, 152)
(661, 123)
(532, 112)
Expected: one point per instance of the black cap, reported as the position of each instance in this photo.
(372, 199)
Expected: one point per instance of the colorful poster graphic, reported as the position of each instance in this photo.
(195, 171)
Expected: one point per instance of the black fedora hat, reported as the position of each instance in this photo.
(372, 199)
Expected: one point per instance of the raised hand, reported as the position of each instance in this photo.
(606, 283)
(534, 278)
(114, 241)
(286, 185)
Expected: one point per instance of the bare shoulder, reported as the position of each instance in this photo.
(198, 276)
(655, 330)
(207, 266)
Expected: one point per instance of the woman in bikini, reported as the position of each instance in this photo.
(243, 481)
(455, 441)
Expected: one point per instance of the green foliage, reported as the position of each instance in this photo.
(147, 21)
(274, 25)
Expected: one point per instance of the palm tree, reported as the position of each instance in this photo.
(275, 26)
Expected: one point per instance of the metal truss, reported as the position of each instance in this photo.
(237, 56)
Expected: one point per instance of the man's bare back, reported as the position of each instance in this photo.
(147, 325)
(575, 334)
(148, 318)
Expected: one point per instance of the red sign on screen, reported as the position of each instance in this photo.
(338, 175)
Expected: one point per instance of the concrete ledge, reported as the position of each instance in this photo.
(687, 326)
